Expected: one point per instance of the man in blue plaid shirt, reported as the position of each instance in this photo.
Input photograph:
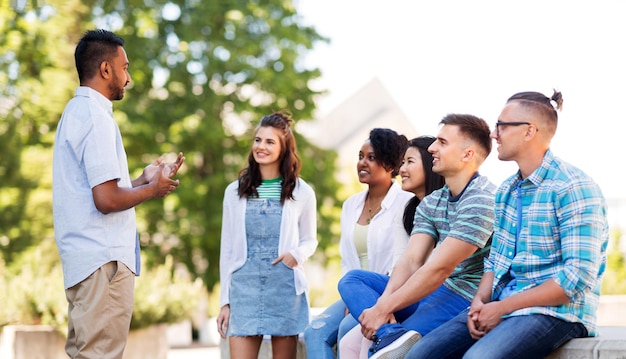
(542, 279)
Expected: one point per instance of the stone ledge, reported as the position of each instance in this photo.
(31, 341)
(41, 341)
(609, 344)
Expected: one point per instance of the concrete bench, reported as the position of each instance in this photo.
(42, 341)
(609, 344)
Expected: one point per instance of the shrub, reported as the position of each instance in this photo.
(163, 295)
(32, 292)
(614, 279)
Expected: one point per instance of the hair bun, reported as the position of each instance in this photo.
(557, 98)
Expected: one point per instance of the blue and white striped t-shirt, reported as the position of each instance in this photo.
(467, 217)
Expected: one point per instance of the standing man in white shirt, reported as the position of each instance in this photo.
(94, 200)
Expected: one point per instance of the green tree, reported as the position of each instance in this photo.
(36, 75)
(204, 73)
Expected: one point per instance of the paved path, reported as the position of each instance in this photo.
(194, 352)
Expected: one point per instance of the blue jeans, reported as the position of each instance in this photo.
(528, 336)
(325, 331)
(361, 289)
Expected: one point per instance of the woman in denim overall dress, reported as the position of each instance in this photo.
(268, 231)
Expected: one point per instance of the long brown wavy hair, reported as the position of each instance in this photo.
(290, 164)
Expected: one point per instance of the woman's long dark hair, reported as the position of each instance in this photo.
(290, 164)
(433, 180)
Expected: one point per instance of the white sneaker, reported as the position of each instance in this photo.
(394, 346)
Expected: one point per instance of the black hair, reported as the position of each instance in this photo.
(433, 180)
(93, 48)
(389, 148)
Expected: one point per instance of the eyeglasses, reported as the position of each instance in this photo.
(498, 124)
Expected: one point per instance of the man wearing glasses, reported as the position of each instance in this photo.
(542, 279)
(512, 123)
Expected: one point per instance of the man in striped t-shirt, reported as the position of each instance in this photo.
(542, 279)
(438, 274)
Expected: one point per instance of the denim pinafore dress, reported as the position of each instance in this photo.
(263, 298)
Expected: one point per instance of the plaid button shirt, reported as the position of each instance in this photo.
(563, 236)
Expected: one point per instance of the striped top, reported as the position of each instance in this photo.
(270, 189)
(467, 217)
(564, 236)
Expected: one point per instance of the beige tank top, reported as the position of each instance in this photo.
(360, 242)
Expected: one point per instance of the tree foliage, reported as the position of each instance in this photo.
(203, 74)
(614, 279)
(36, 73)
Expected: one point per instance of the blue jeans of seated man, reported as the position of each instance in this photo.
(528, 336)
(326, 330)
(361, 289)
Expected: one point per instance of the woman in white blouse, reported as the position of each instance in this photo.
(417, 177)
(372, 232)
(268, 231)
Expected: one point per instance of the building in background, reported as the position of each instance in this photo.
(346, 127)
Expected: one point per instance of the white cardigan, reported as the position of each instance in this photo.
(298, 234)
(386, 236)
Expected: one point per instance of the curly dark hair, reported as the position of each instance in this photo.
(389, 148)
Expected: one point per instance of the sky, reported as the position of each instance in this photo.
(440, 57)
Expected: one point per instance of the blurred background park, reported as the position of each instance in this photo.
(204, 73)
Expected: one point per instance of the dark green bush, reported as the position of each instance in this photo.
(32, 292)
